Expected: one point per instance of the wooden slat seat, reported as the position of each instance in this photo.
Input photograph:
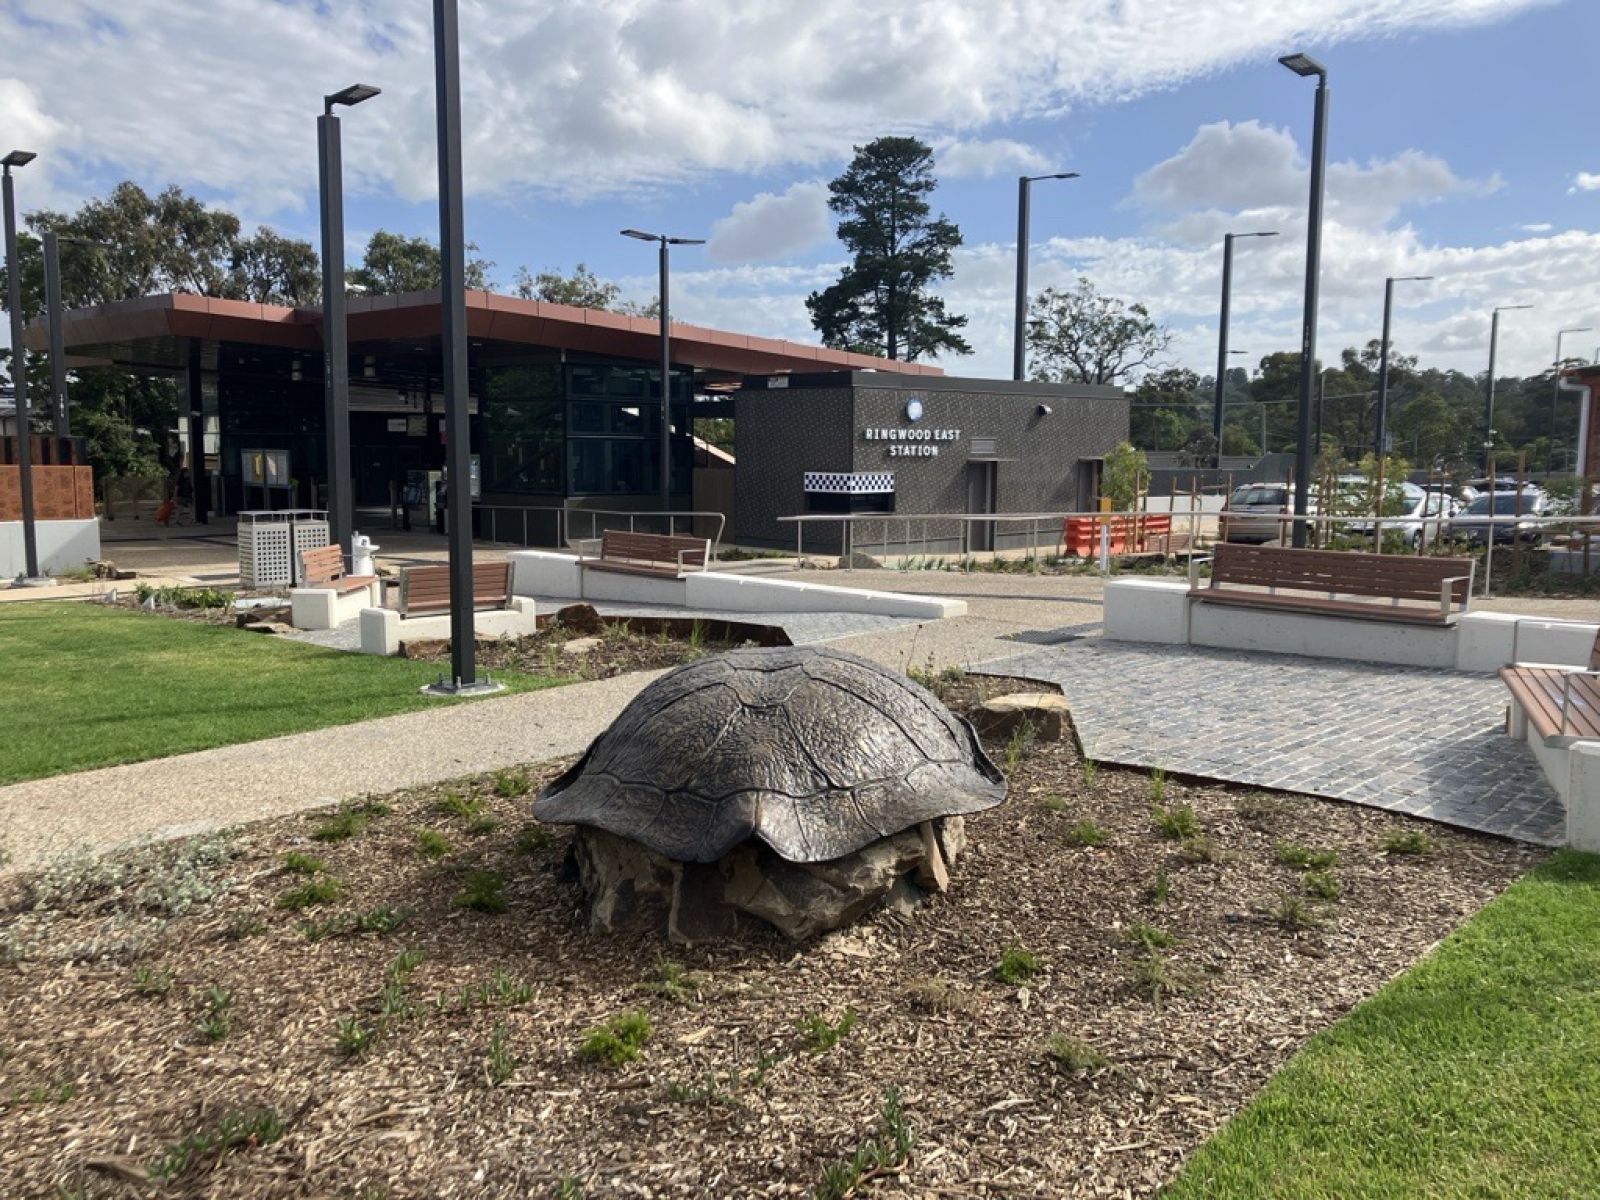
(662, 555)
(425, 590)
(324, 568)
(1419, 590)
(1558, 702)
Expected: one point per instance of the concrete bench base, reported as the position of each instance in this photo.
(383, 629)
(325, 608)
(1573, 769)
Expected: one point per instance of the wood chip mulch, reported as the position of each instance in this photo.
(100, 1085)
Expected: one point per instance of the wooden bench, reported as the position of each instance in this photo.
(1336, 583)
(659, 554)
(426, 590)
(1559, 702)
(324, 568)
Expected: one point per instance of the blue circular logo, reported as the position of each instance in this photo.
(914, 409)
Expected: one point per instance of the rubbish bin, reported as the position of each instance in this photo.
(270, 542)
(361, 552)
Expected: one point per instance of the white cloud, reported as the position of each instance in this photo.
(1538, 227)
(1585, 181)
(771, 226)
(984, 159)
(614, 95)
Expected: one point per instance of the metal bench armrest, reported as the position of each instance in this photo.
(704, 551)
(1194, 568)
(582, 543)
(1446, 600)
(1566, 692)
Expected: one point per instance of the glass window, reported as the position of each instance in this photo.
(587, 381)
(611, 466)
(522, 446)
(630, 382)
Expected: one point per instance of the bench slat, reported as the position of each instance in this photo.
(1359, 609)
(1539, 691)
(427, 589)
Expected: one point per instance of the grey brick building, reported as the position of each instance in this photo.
(869, 441)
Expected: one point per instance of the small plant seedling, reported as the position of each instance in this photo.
(383, 919)
(1091, 773)
(1258, 806)
(1158, 786)
(1053, 804)
(499, 1065)
(405, 963)
(616, 1042)
(370, 807)
(1412, 842)
(1020, 745)
(1175, 824)
(484, 891)
(1160, 888)
(321, 890)
(819, 1035)
(147, 981)
(458, 804)
(508, 785)
(235, 1129)
(432, 844)
(570, 1187)
(1017, 965)
(1202, 850)
(1085, 833)
(483, 823)
(352, 1037)
(706, 1093)
(246, 925)
(1073, 1054)
(1292, 854)
(342, 826)
(938, 995)
(1322, 884)
(295, 863)
(532, 838)
(888, 1151)
(502, 991)
(1151, 937)
(217, 1021)
(1292, 912)
(1154, 978)
(674, 982)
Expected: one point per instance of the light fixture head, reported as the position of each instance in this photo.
(676, 241)
(1577, 329)
(352, 95)
(641, 235)
(1509, 307)
(1304, 64)
(1057, 175)
(18, 158)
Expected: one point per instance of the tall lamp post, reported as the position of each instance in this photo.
(335, 332)
(61, 418)
(1306, 66)
(1383, 359)
(1488, 405)
(30, 576)
(1019, 337)
(666, 359)
(1555, 391)
(1222, 337)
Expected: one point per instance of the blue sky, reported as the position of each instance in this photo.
(1460, 129)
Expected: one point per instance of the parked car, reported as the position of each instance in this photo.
(1497, 514)
(1251, 511)
(1417, 522)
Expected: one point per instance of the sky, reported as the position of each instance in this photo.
(1461, 145)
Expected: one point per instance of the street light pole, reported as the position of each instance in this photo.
(1019, 334)
(30, 576)
(1306, 66)
(1383, 359)
(1222, 341)
(52, 308)
(1555, 391)
(1488, 407)
(335, 332)
(664, 242)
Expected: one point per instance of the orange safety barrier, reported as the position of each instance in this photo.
(1139, 534)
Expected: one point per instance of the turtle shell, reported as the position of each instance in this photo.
(815, 751)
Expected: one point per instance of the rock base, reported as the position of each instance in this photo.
(629, 887)
(1046, 713)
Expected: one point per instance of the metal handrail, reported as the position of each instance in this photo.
(563, 515)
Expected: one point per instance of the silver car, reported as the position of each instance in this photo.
(1508, 520)
(1418, 521)
(1251, 513)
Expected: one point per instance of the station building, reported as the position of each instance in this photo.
(565, 410)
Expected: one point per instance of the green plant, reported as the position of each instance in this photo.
(1175, 824)
(245, 925)
(570, 1187)
(1411, 842)
(617, 1041)
(674, 982)
(458, 804)
(1160, 888)
(708, 1093)
(295, 863)
(502, 991)
(147, 981)
(884, 1154)
(508, 785)
(432, 844)
(1153, 977)
(1292, 854)
(342, 826)
(321, 890)
(1073, 1054)
(1257, 807)
(1158, 786)
(232, 1131)
(1017, 965)
(532, 838)
(1202, 850)
(1053, 803)
(483, 891)
(820, 1036)
(1120, 475)
(383, 919)
(407, 961)
(1020, 745)
(216, 1022)
(1085, 833)
(1150, 937)
(938, 995)
(1292, 912)
(499, 1064)
(1091, 773)
(352, 1037)
(1322, 884)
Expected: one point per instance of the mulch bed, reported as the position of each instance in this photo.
(98, 1083)
(619, 647)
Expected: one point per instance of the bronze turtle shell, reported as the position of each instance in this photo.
(815, 751)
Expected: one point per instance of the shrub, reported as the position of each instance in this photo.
(1292, 854)
(508, 785)
(1411, 842)
(1154, 977)
(295, 863)
(1292, 912)
(819, 1035)
(1322, 884)
(1073, 1054)
(1017, 965)
(320, 890)
(1151, 937)
(484, 891)
(432, 844)
(352, 1037)
(1175, 824)
(888, 1150)
(532, 838)
(1085, 833)
(217, 1021)
(617, 1041)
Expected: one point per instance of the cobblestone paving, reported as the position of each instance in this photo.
(1424, 742)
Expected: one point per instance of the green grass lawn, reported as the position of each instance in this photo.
(87, 686)
(1475, 1074)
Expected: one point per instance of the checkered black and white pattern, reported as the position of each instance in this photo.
(850, 483)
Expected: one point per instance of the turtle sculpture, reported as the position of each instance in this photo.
(799, 785)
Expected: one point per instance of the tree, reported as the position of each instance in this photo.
(271, 269)
(582, 289)
(1080, 336)
(1126, 468)
(881, 303)
(1167, 405)
(394, 263)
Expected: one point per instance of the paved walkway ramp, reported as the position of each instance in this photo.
(1424, 742)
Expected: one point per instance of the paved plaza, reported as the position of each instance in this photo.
(1423, 742)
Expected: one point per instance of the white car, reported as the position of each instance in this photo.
(1418, 521)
